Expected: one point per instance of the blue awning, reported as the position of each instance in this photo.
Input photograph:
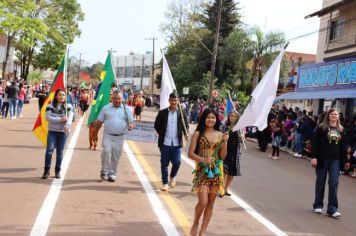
(325, 94)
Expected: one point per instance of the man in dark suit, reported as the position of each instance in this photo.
(169, 126)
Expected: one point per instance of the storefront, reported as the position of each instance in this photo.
(327, 84)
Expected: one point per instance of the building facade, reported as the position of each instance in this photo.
(134, 71)
(331, 81)
(12, 67)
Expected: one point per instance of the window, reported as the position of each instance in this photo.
(336, 29)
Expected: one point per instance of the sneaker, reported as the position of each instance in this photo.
(335, 215)
(269, 156)
(275, 157)
(104, 177)
(112, 179)
(172, 182)
(165, 187)
(318, 210)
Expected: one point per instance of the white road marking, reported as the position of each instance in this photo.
(43, 219)
(156, 203)
(250, 210)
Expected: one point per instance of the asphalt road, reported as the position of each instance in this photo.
(279, 193)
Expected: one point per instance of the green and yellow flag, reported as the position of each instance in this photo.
(103, 97)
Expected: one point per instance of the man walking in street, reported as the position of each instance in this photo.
(169, 126)
(117, 121)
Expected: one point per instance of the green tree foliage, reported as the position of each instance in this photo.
(95, 70)
(264, 47)
(35, 76)
(62, 18)
(16, 20)
(41, 29)
(241, 52)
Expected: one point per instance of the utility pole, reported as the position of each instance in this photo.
(215, 52)
(153, 63)
(80, 61)
(142, 65)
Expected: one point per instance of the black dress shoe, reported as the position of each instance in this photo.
(111, 179)
(45, 175)
(58, 175)
(227, 194)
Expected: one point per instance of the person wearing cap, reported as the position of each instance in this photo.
(169, 126)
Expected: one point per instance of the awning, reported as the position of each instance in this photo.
(329, 9)
(327, 94)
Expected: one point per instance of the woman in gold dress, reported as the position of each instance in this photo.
(208, 180)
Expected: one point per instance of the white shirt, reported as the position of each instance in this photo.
(171, 137)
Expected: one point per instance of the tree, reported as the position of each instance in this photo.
(230, 22)
(264, 47)
(236, 54)
(14, 20)
(95, 70)
(62, 18)
(35, 76)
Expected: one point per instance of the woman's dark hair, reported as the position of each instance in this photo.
(201, 124)
(55, 101)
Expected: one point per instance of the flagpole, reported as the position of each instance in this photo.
(179, 104)
(65, 78)
(113, 69)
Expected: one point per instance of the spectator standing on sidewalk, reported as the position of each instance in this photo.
(204, 142)
(276, 129)
(13, 98)
(59, 115)
(2, 89)
(232, 160)
(117, 121)
(169, 126)
(5, 104)
(22, 95)
(327, 154)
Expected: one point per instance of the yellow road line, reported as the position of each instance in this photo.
(175, 209)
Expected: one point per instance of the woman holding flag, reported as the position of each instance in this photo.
(59, 116)
(232, 160)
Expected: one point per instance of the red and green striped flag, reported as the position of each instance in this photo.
(40, 128)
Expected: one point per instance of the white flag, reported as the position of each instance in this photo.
(167, 85)
(257, 111)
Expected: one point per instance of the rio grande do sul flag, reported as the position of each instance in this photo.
(40, 129)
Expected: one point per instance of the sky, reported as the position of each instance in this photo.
(126, 25)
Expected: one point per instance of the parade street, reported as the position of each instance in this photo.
(273, 197)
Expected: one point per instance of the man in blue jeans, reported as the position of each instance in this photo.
(169, 126)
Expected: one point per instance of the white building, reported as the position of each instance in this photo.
(331, 82)
(11, 66)
(134, 71)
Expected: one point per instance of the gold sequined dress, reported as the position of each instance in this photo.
(206, 149)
